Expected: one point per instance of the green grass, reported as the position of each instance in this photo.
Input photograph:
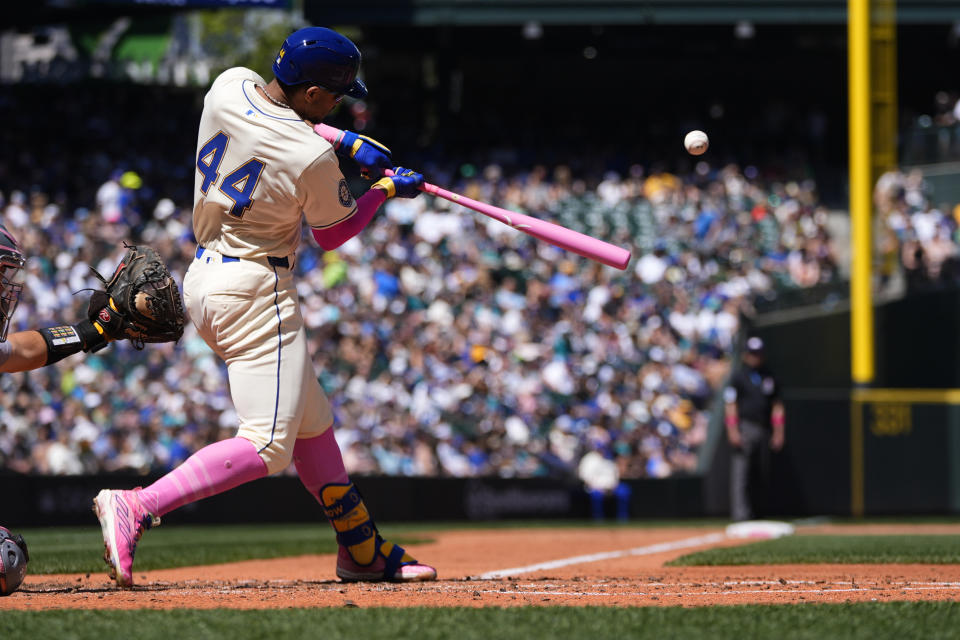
(80, 550)
(812, 549)
(870, 621)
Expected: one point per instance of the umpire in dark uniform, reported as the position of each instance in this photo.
(755, 420)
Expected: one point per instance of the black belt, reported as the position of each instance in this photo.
(274, 262)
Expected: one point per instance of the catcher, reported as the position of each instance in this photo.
(140, 303)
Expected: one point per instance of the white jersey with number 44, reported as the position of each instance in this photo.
(259, 169)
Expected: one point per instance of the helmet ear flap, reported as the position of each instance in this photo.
(291, 69)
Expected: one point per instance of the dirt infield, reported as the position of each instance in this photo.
(513, 567)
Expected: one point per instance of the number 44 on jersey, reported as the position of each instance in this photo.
(239, 185)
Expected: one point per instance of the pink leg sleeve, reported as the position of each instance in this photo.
(319, 462)
(214, 469)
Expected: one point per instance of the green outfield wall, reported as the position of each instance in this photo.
(893, 448)
(905, 451)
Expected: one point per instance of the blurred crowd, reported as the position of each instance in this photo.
(919, 238)
(932, 135)
(449, 343)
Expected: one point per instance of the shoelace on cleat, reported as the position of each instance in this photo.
(146, 522)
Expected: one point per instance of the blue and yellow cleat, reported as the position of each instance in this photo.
(364, 555)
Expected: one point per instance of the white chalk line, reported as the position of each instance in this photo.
(660, 547)
(827, 586)
(748, 583)
(733, 583)
(659, 594)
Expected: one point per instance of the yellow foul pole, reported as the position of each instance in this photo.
(861, 188)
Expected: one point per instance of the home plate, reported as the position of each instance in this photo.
(760, 529)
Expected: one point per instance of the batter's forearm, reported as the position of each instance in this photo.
(333, 135)
(367, 205)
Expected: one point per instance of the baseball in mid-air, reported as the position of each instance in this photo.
(696, 142)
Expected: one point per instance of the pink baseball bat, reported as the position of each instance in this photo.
(558, 236)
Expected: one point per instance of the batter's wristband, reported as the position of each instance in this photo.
(67, 340)
(730, 421)
(324, 130)
(777, 420)
(386, 184)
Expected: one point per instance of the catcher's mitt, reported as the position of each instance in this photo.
(141, 303)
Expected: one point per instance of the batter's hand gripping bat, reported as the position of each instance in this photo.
(558, 236)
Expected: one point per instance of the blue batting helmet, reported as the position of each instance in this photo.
(322, 57)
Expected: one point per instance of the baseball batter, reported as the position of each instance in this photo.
(261, 170)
